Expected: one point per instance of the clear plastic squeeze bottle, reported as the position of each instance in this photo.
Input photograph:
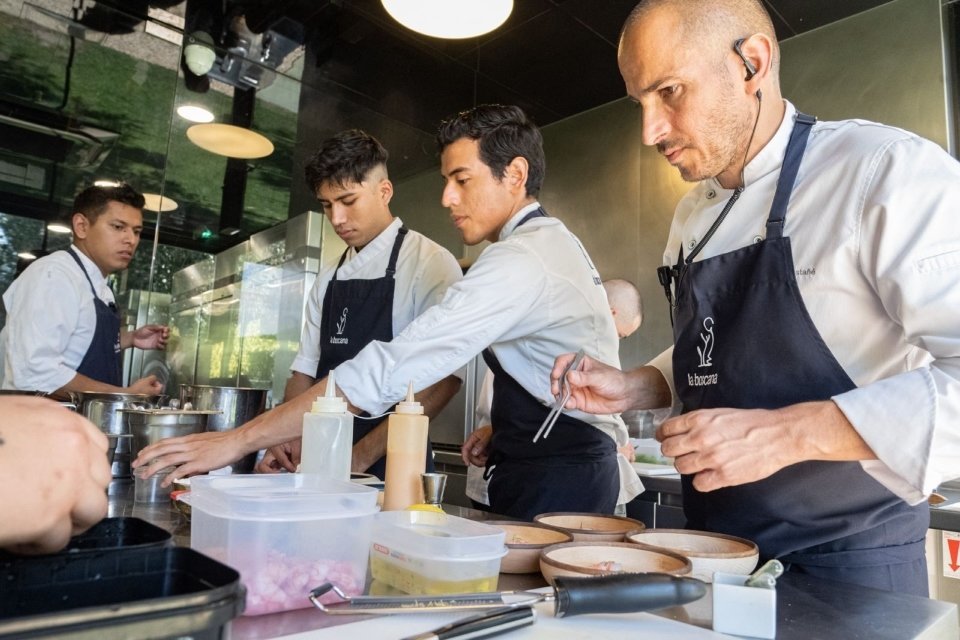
(328, 436)
(407, 431)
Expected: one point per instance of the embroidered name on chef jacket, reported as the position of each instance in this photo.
(341, 325)
(705, 353)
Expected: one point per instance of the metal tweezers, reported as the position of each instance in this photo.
(551, 419)
(412, 604)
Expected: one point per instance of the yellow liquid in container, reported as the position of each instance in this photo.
(408, 580)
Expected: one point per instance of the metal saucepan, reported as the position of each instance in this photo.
(237, 405)
(104, 410)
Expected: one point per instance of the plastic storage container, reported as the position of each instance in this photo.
(286, 534)
(424, 552)
(165, 592)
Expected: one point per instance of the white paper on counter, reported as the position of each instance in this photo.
(651, 469)
(588, 627)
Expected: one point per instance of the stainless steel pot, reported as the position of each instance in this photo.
(237, 405)
(153, 425)
(104, 410)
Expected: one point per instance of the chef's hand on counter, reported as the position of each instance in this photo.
(600, 389)
(729, 447)
(149, 336)
(476, 449)
(192, 454)
(53, 474)
(283, 456)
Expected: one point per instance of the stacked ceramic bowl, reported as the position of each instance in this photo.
(708, 552)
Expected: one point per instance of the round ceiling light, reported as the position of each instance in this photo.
(155, 202)
(229, 140)
(450, 19)
(56, 227)
(193, 113)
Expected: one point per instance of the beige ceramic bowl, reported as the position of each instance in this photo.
(525, 541)
(603, 558)
(591, 527)
(708, 552)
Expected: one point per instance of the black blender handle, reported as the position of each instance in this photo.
(624, 593)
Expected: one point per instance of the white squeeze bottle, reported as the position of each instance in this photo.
(407, 431)
(328, 436)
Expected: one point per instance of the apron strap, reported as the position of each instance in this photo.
(86, 275)
(392, 264)
(788, 174)
(536, 213)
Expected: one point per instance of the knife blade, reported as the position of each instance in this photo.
(484, 625)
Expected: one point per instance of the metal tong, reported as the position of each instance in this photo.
(619, 593)
(557, 409)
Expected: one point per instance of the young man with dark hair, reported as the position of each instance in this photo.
(387, 276)
(63, 328)
(532, 291)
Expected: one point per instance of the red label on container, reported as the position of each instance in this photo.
(381, 549)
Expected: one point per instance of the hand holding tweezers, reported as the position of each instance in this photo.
(548, 423)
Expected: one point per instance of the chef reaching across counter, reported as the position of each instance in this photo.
(387, 275)
(532, 293)
(63, 328)
(816, 354)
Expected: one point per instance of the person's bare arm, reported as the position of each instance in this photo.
(149, 336)
(148, 385)
(728, 447)
(601, 389)
(373, 446)
(53, 475)
(287, 455)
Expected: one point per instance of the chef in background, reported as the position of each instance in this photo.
(63, 328)
(532, 291)
(386, 277)
(53, 474)
(816, 352)
(626, 307)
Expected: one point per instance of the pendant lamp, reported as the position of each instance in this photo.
(451, 19)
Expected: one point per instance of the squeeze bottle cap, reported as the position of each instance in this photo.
(410, 405)
(330, 403)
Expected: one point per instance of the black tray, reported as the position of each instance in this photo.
(112, 533)
(166, 592)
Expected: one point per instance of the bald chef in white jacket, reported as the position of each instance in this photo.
(531, 294)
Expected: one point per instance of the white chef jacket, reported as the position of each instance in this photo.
(50, 321)
(530, 296)
(876, 246)
(424, 271)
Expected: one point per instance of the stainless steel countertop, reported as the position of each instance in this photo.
(806, 607)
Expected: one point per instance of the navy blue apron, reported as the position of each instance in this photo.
(743, 339)
(102, 360)
(355, 313)
(575, 469)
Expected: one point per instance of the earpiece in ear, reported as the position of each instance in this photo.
(751, 70)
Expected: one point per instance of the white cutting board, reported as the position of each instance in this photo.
(591, 627)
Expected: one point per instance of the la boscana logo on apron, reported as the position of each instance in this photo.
(340, 327)
(705, 351)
